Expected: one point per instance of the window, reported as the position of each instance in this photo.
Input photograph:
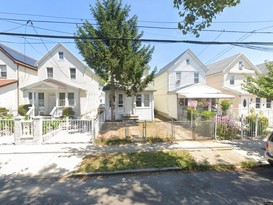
(177, 78)
(146, 100)
(49, 72)
(138, 100)
(61, 99)
(30, 98)
(268, 103)
(120, 100)
(61, 55)
(41, 99)
(71, 101)
(258, 102)
(188, 61)
(72, 73)
(196, 77)
(232, 80)
(241, 65)
(3, 71)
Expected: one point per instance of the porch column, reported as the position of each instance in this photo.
(33, 103)
(66, 99)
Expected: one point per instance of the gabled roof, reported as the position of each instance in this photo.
(51, 84)
(18, 57)
(224, 64)
(68, 51)
(173, 62)
(262, 67)
(6, 82)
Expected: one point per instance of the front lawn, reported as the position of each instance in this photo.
(108, 162)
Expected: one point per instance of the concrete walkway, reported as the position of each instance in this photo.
(57, 160)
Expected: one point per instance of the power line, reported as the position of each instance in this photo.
(141, 40)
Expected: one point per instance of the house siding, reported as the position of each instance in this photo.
(8, 98)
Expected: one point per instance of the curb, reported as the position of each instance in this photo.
(127, 172)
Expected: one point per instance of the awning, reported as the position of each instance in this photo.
(204, 95)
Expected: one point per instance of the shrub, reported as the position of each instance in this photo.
(68, 111)
(207, 115)
(192, 113)
(23, 109)
(226, 129)
(251, 124)
(225, 105)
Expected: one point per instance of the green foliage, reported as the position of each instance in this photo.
(68, 111)
(192, 113)
(207, 115)
(106, 48)
(23, 109)
(225, 105)
(248, 164)
(250, 123)
(261, 85)
(197, 15)
(226, 129)
(50, 125)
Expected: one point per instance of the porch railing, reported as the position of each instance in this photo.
(56, 112)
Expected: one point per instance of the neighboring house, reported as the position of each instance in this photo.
(262, 67)
(63, 81)
(140, 106)
(227, 75)
(16, 71)
(182, 83)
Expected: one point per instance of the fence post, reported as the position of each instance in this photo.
(256, 126)
(215, 127)
(92, 129)
(144, 130)
(242, 125)
(37, 130)
(17, 130)
(173, 129)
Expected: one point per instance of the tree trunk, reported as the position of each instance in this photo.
(112, 100)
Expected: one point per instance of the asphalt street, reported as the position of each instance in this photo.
(234, 187)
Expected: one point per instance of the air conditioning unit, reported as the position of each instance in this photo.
(177, 81)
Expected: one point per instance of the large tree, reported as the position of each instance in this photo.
(112, 47)
(261, 85)
(198, 14)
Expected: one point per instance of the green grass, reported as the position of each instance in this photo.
(248, 164)
(108, 162)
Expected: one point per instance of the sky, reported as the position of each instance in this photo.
(250, 15)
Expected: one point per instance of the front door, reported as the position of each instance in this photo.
(244, 105)
(51, 101)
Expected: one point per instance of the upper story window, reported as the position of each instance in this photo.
(120, 100)
(188, 61)
(72, 73)
(61, 55)
(196, 77)
(232, 80)
(258, 102)
(268, 103)
(49, 72)
(241, 65)
(3, 71)
(177, 78)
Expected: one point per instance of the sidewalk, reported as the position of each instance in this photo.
(60, 159)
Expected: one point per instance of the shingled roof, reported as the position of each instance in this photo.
(18, 57)
(220, 66)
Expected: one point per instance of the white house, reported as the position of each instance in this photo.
(63, 81)
(140, 106)
(16, 71)
(228, 75)
(183, 82)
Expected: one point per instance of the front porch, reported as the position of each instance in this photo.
(48, 98)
